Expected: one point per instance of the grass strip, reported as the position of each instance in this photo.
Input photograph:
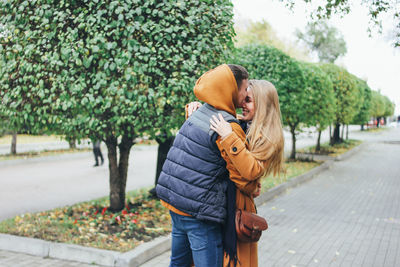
(91, 223)
(291, 169)
(334, 150)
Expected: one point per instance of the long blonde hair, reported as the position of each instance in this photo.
(265, 134)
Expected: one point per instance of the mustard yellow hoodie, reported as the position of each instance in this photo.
(218, 88)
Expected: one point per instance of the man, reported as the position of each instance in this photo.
(193, 181)
(97, 153)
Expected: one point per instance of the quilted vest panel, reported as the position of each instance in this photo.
(194, 175)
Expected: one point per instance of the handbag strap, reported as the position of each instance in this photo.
(255, 207)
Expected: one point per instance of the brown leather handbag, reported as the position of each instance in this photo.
(249, 226)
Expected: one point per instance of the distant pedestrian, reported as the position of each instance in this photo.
(97, 153)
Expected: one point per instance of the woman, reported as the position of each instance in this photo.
(264, 140)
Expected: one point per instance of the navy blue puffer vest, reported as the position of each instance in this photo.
(194, 175)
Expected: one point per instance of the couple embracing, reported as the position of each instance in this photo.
(215, 165)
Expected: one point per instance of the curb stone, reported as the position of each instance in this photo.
(145, 251)
(70, 252)
(279, 189)
(31, 246)
(350, 153)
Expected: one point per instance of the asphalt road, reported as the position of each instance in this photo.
(46, 183)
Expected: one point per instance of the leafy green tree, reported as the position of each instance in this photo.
(377, 106)
(359, 89)
(323, 39)
(7, 128)
(327, 42)
(320, 99)
(346, 97)
(108, 70)
(263, 33)
(257, 32)
(363, 114)
(3, 125)
(381, 106)
(268, 63)
(389, 107)
(3, 118)
(377, 9)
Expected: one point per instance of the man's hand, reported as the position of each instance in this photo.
(220, 126)
(192, 107)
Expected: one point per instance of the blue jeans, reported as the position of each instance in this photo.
(197, 240)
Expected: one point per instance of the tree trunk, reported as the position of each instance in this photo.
(330, 133)
(347, 132)
(124, 151)
(318, 147)
(362, 127)
(293, 153)
(72, 143)
(377, 122)
(118, 171)
(163, 148)
(14, 143)
(336, 135)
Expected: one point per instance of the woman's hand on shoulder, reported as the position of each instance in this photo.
(192, 107)
(220, 126)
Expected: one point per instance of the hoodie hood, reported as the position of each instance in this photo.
(218, 88)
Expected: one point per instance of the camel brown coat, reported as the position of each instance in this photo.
(244, 171)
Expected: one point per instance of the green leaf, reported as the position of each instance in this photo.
(87, 62)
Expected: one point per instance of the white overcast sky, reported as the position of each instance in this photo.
(373, 59)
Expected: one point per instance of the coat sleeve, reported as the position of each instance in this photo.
(243, 160)
(244, 169)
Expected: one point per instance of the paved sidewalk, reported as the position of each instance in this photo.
(346, 216)
(11, 259)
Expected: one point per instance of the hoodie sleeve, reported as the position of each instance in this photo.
(244, 169)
